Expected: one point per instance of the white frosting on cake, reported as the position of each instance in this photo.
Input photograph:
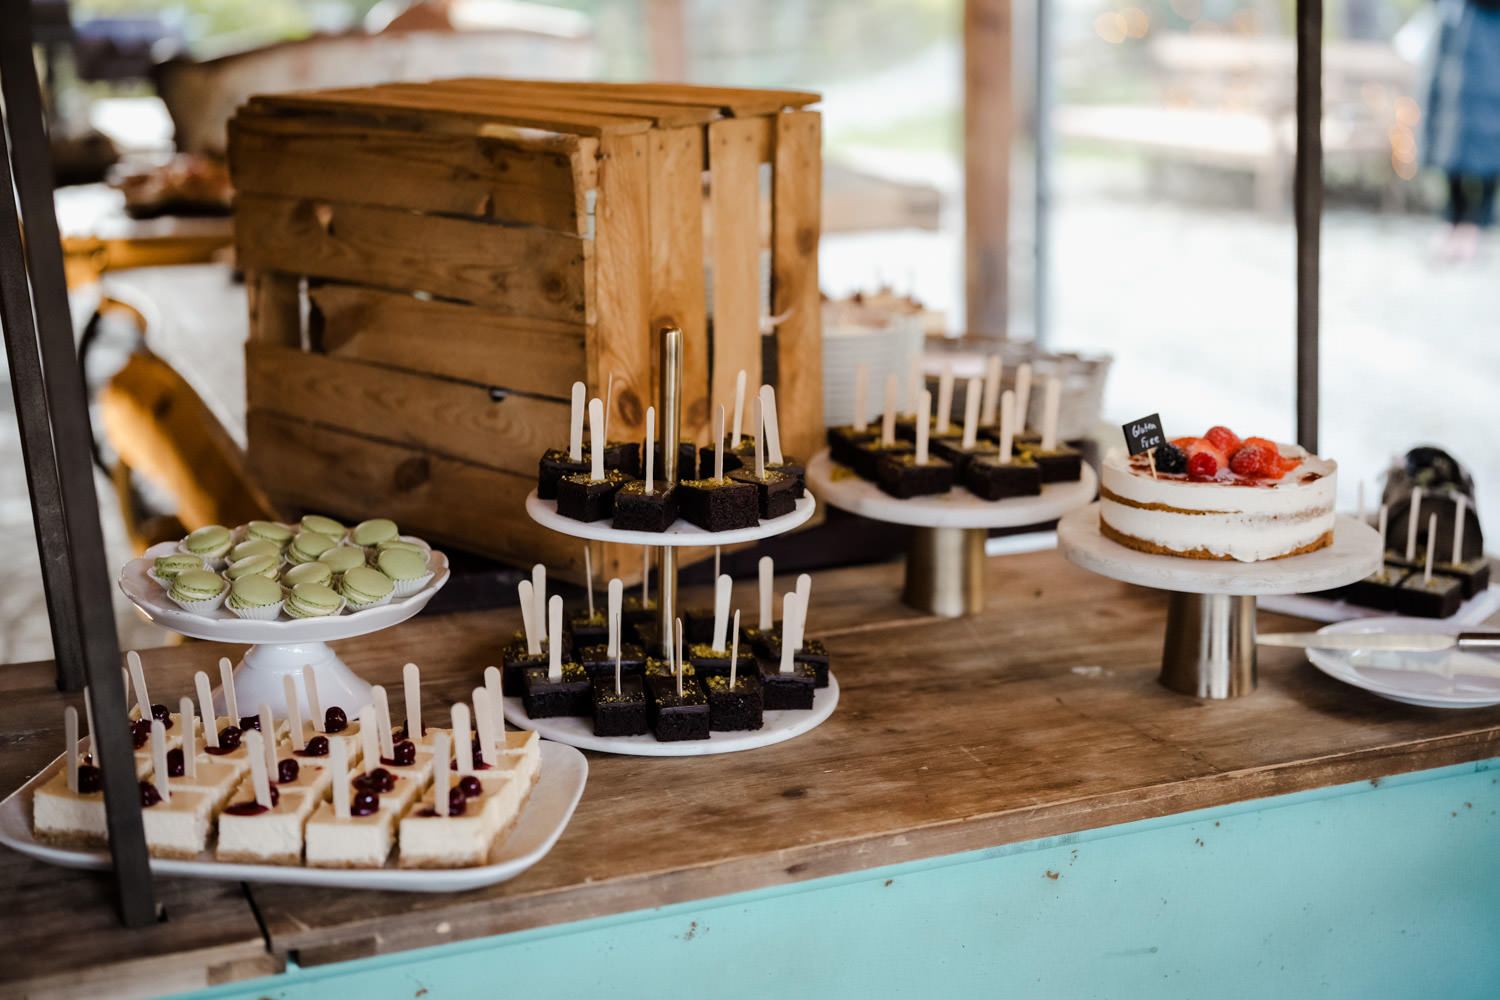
(1224, 518)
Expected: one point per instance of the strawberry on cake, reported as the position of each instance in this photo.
(1219, 497)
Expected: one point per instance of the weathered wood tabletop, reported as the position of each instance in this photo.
(1040, 717)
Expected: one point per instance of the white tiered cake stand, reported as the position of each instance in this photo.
(279, 648)
(1209, 650)
(945, 563)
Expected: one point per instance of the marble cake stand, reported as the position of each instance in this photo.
(945, 563)
(1209, 648)
(278, 648)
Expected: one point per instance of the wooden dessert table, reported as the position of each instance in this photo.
(1009, 805)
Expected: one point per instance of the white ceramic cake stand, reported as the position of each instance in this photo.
(945, 563)
(1209, 649)
(681, 532)
(278, 648)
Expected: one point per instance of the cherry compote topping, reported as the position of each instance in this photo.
(334, 720)
(286, 771)
(316, 747)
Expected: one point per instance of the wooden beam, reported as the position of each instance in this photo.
(988, 121)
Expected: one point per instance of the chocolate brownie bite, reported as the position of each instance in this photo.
(637, 510)
(867, 456)
(767, 646)
(553, 466)
(718, 504)
(990, 479)
(793, 689)
(1473, 574)
(1378, 590)
(587, 630)
(1062, 464)
(677, 715)
(584, 498)
(601, 666)
(734, 458)
(545, 697)
(736, 707)
(844, 442)
(774, 491)
(1437, 597)
(623, 712)
(794, 468)
(514, 660)
(902, 477)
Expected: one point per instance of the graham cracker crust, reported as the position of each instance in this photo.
(1140, 545)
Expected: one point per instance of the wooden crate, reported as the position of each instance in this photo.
(431, 267)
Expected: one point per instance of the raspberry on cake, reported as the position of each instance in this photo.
(1261, 500)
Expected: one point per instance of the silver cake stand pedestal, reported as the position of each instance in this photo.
(1209, 647)
(945, 559)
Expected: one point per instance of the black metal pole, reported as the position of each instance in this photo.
(54, 424)
(1307, 195)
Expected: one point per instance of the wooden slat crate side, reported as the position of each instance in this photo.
(518, 271)
(303, 157)
(734, 195)
(678, 294)
(442, 417)
(448, 339)
(416, 97)
(741, 103)
(275, 307)
(796, 197)
(443, 500)
(621, 344)
(551, 99)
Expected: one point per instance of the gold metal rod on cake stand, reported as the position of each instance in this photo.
(1209, 650)
(671, 438)
(945, 571)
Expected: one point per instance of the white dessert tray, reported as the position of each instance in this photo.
(1475, 610)
(564, 771)
(680, 532)
(958, 508)
(224, 626)
(1354, 555)
(781, 725)
(1431, 680)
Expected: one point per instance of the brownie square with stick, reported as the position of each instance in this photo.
(637, 510)
(791, 690)
(584, 498)
(775, 492)
(990, 479)
(903, 477)
(554, 465)
(623, 712)
(813, 653)
(718, 504)
(546, 698)
(740, 706)
(601, 666)
(676, 715)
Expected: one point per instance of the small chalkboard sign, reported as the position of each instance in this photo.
(1144, 434)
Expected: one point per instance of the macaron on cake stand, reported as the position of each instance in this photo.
(1209, 649)
(281, 648)
(945, 558)
(680, 533)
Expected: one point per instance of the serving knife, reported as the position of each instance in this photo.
(1416, 642)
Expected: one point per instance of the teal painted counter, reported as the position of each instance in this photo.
(1386, 888)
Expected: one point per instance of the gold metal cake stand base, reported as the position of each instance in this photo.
(945, 571)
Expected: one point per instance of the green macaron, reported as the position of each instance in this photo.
(309, 545)
(342, 558)
(313, 572)
(371, 533)
(270, 531)
(167, 567)
(211, 540)
(254, 592)
(363, 585)
(255, 547)
(324, 526)
(257, 564)
(398, 564)
(312, 600)
(403, 546)
(196, 585)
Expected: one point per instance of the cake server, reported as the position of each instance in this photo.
(1420, 642)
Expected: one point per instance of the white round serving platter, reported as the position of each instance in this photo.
(224, 626)
(1431, 680)
(1354, 555)
(544, 512)
(578, 731)
(560, 781)
(958, 508)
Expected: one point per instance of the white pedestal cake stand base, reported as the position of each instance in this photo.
(278, 648)
(1209, 648)
(945, 563)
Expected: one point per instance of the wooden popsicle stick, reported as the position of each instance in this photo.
(293, 712)
(739, 408)
(88, 717)
(138, 678)
(596, 440)
(888, 418)
(989, 411)
(539, 597)
(231, 697)
(804, 602)
(588, 578)
(616, 603)
(1460, 511)
(924, 406)
(1007, 427)
(719, 442)
(650, 450)
(945, 398)
(1051, 402)
(718, 555)
(767, 570)
(160, 777)
(645, 576)
(526, 596)
(381, 704)
(915, 383)
(772, 428)
(338, 757)
(268, 728)
(1431, 544)
(206, 709)
(788, 623)
(734, 650)
(554, 638)
(1359, 501)
(70, 746)
(609, 406)
(722, 585)
(125, 681)
(759, 421)
(1385, 510)
(441, 773)
(484, 726)
(1412, 522)
(411, 684)
(260, 779)
(861, 397)
(617, 670)
(462, 740)
(799, 628)
(497, 707)
(575, 423)
(189, 739)
(677, 655)
(1023, 395)
(314, 703)
(971, 413)
(369, 740)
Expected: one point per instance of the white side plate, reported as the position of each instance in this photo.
(564, 771)
(578, 731)
(1449, 679)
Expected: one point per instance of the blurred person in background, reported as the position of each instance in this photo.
(1463, 119)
